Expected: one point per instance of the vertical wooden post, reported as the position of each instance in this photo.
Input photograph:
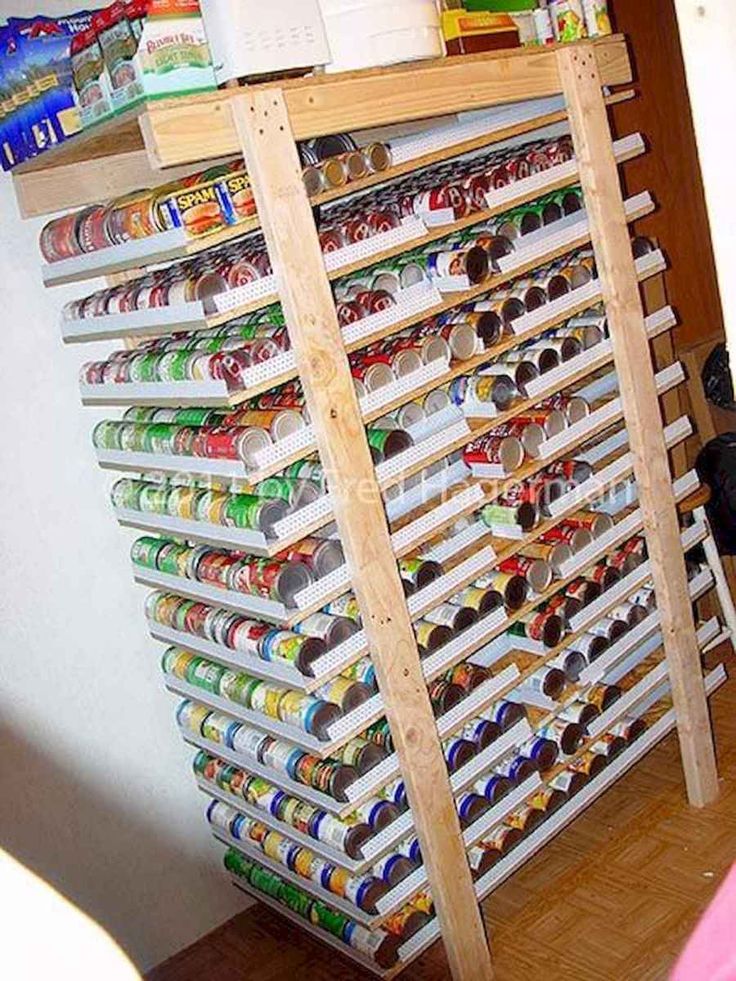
(599, 178)
(286, 218)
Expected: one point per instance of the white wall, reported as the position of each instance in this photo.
(97, 793)
(708, 36)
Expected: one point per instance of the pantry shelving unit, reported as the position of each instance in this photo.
(622, 439)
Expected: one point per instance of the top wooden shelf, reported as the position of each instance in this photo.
(173, 133)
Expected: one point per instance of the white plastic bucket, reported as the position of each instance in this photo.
(371, 33)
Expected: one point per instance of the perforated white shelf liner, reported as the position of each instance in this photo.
(538, 183)
(600, 546)
(372, 781)
(665, 380)
(599, 451)
(536, 245)
(599, 388)
(389, 470)
(485, 761)
(239, 538)
(410, 302)
(601, 667)
(480, 698)
(319, 591)
(623, 705)
(406, 148)
(340, 657)
(384, 841)
(434, 423)
(560, 234)
(457, 543)
(282, 674)
(460, 646)
(260, 289)
(335, 855)
(426, 491)
(369, 248)
(301, 441)
(358, 720)
(374, 402)
(481, 828)
(558, 377)
(450, 583)
(292, 524)
(557, 309)
(421, 529)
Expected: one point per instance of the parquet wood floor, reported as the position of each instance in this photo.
(612, 898)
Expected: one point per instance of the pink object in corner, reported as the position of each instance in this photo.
(710, 954)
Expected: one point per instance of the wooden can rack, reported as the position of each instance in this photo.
(159, 141)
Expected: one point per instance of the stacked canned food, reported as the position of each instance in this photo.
(461, 258)
(362, 891)
(451, 190)
(279, 579)
(198, 204)
(208, 434)
(331, 775)
(506, 447)
(378, 945)
(347, 834)
(300, 647)
(561, 783)
(313, 714)
(272, 500)
(521, 507)
(219, 354)
(221, 197)
(336, 160)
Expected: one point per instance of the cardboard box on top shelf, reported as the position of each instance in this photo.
(468, 32)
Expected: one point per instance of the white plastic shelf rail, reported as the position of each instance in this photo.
(537, 184)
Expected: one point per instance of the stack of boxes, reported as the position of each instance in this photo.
(470, 26)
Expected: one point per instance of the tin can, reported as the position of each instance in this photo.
(431, 636)
(547, 680)
(597, 21)
(605, 575)
(566, 731)
(387, 443)
(321, 555)
(537, 572)
(629, 728)
(58, 239)
(511, 509)
(609, 628)
(541, 750)
(590, 764)
(362, 754)
(602, 696)
(330, 629)
(505, 451)
(289, 648)
(270, 578)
